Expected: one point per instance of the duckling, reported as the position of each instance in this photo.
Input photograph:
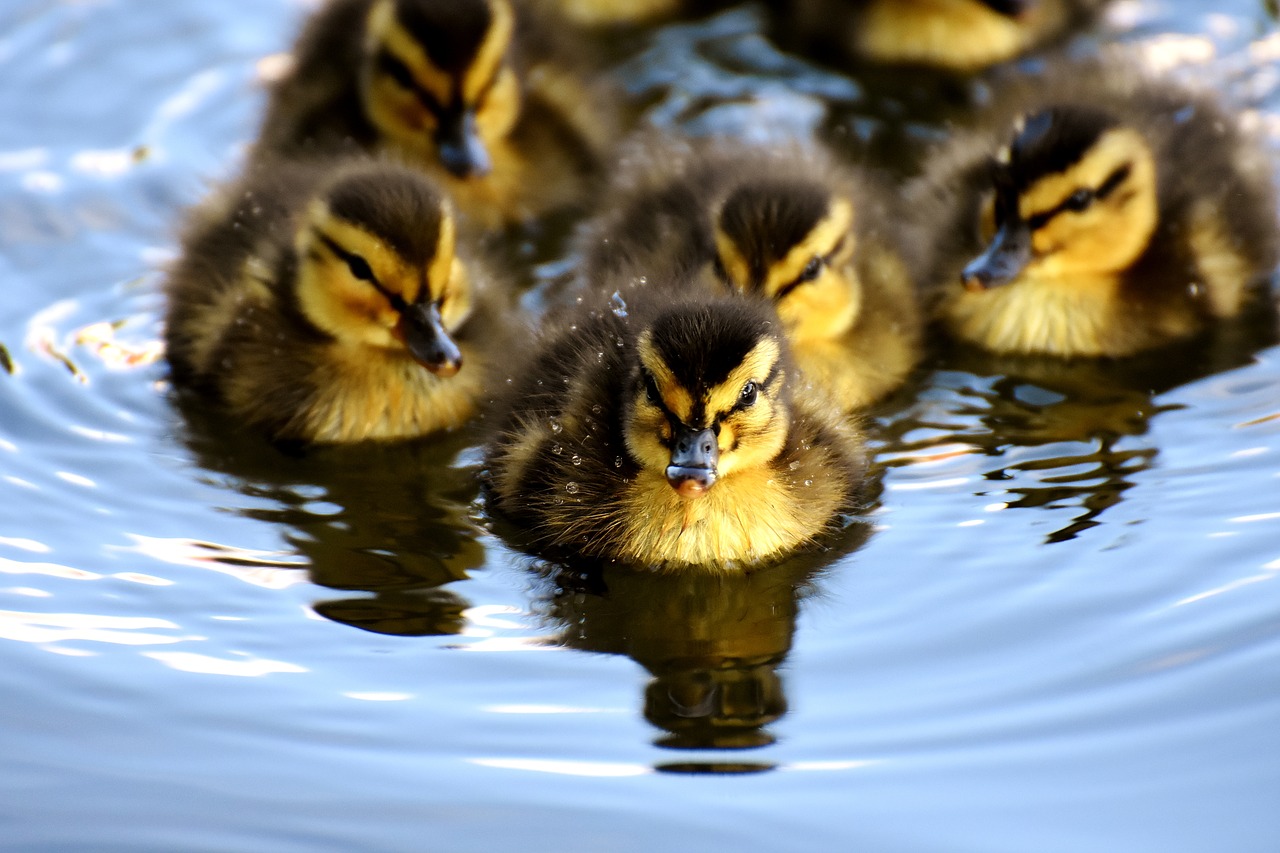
(330, 303)
(1100, 214)
(962, 36)
(670, 434)
(784, 223)
(478, 94)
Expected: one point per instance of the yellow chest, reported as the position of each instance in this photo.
(1052, 317)
(747, 517)
(364, 397)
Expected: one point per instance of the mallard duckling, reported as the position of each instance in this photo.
(331, 304)
(785, 223)
(964, 36)
(475, 92)
(670, 434)
(1110, 216)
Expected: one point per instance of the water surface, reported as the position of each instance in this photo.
(1059, 630)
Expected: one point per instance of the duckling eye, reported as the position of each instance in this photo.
(750, 392)
(359, 267)
(651, 390)
(1079, 200)
(810, 271)
(397, 71)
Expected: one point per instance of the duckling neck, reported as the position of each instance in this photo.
(748, 516)
(1050, 316)
(384, 394)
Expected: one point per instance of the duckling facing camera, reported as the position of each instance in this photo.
(669, 435)
(330, 303)
(785, 224)
(963, 36)
(1095, 213)
(480, 94)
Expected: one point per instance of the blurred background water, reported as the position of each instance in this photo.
(1058, 631)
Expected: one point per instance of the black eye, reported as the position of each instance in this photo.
(810, 271)
(396, 70)
(651, 390)
(359, 268)
(749, 394)
(1079, 200)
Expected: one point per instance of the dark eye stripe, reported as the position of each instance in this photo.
(397, 301)
(1108, 186)
(394, 68)
(805, 277)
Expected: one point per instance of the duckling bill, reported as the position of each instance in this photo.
(480, 94)
(670, 435)
(331, 304)
(1106, 218)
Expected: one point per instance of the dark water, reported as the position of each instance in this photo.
(1059, 630)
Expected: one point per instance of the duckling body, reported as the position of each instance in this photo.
(1097, 213)
(786, 224)
(477, 93)
(324, 302)
(958, 35)
(671, 434)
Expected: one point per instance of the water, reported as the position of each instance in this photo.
(1058, 631)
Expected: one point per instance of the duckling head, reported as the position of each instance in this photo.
(1075, 199)
(437, 78)
(792, 242)
(707, 394)
(376, 266)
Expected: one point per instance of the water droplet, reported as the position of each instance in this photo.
(556, 449)
(576, 459)
(794, 465)
(619, 304)
(556, 427)
(571, 487)
(808, 482)
(597, 409)
(617, 462)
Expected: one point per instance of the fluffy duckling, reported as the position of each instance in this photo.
(1101, 215)
(787, 224)
(670, 435)
(475, 92)
(964, 36)
(331, 304)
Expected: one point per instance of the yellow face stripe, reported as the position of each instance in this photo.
(1112, 150)
(735, 265)
(493, 50)
(385, 33)
(819, 242)
(441, 267)
(674, 396)
(755, 367)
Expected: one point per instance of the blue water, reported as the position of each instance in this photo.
(1058, 631)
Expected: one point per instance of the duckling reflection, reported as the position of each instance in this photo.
(1071, 436)
(711, 642)
(394, 522)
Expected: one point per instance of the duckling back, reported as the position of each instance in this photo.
(327, 302)
(482, 95)
(669, 434)
(1096, 211)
